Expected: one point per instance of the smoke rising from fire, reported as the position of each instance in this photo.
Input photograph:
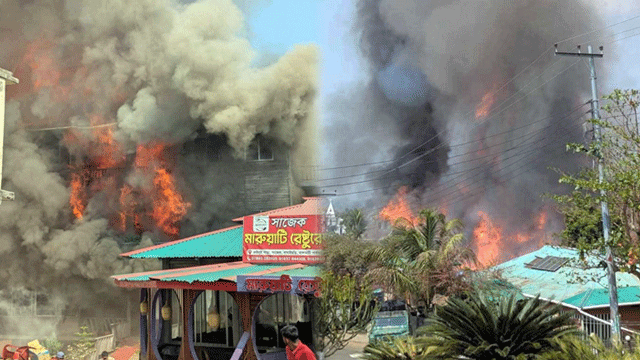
(462, 136)
(111, 80)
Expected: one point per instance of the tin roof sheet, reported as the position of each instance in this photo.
(572, 278)
(595, 298)
(310, 206)
(217, 272)
(220, 243)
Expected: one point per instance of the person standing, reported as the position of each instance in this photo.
(296, 350)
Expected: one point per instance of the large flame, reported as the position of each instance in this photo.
(488, 240)
(169, 207)
(155, 202)
(397, 208)
(78, 196)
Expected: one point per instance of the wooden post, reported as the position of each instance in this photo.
(187, 298)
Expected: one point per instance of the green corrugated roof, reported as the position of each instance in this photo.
(220, 243)
(216, 272)
(212, 276)
(600, 297)
(571, 279)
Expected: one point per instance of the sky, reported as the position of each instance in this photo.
(277, 25)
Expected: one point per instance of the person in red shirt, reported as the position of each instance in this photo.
(296, 350)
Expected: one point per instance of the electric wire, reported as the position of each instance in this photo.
(455, 184)
(452, 164)
(497, 90)
(442, 144)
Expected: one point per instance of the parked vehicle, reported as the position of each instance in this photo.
(390, 324)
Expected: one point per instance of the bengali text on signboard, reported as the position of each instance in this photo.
(282, 239)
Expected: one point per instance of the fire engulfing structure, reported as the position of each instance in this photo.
(467, 108)
(128, 124)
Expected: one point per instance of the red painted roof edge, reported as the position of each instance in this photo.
(282, 211)
(159, 246)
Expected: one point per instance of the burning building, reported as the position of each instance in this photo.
(133, 124)
(466, 109)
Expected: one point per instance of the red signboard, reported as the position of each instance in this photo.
(282, 239)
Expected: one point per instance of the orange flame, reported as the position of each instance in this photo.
(482, 110)
(169, 207)
(397, 208)
(108, 152)
(150, 155)
(78, 196)
(488, 240)
(45, 70)
(542, 220)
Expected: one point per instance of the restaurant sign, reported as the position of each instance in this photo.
(282, 239)
(282, 284)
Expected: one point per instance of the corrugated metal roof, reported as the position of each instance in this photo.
(310, 206)
(220, 243)
(571, 279)
(600, 297)
(217, 272)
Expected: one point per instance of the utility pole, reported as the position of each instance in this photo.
(595, 112)
(6, 77)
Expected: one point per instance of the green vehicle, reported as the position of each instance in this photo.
(390, 324)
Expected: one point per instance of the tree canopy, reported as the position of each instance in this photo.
(619, 150)
(420, 260)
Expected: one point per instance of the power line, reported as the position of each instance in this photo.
(528, 134)
(450, 186)
(441, 132)
(74, 127)
(597, 30)
(520, 156)
(493, 92)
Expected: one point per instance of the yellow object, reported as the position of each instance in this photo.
(144, 307)
(39, 350)
(166, 312)
(213, 320)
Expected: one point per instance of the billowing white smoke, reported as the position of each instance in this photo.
(157, 70)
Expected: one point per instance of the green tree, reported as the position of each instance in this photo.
(481, 328)
(354, 223)
(620, 151)
(344, 310)
(82, 346)
(346, 255)
(420, 260)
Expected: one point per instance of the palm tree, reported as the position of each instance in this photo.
(593, 348)
(354, 223)
(480, 328)
(400, 348)
(422, 259)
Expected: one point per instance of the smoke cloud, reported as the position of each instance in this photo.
(179, 74)
(441, 115)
